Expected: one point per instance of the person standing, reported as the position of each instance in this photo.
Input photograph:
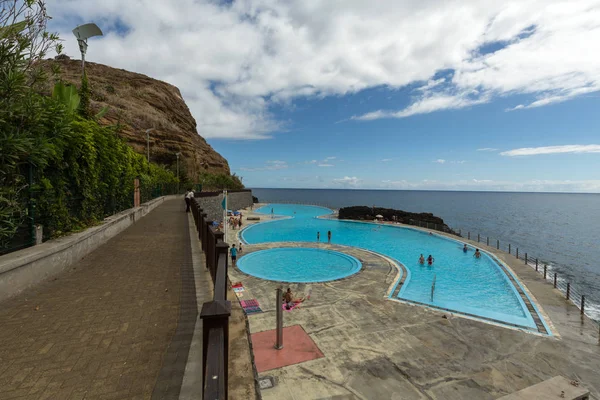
(328, 236)
(233, 254)
(189, 195)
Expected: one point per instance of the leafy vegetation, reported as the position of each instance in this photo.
(57, 164)
(220, 181)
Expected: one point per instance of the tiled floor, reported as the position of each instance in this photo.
(297, 347)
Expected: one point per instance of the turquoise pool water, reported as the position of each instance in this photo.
(299, 265)
(463, 283)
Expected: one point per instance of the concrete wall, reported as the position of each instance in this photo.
(210, 202)
(22, 269)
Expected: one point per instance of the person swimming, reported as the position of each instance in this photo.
(477, 254)
(430, 260)
(465, 249)
(421, 259)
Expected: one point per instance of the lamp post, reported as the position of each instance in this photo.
(148, 142)
(178, 154)
(83, 33)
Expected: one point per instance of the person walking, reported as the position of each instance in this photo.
(189, 195)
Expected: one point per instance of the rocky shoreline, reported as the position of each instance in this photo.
(364, 213)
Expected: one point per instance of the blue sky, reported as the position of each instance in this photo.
(401, 95)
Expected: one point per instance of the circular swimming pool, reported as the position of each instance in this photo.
(298, 265)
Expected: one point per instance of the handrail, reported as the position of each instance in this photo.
(214, 314)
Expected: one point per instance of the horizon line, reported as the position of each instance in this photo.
(427, 190)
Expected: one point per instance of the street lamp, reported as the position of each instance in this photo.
(178, 154)
(148, 142)
(83, 33)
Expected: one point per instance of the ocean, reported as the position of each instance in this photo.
(561, 229)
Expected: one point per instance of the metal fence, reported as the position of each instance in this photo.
(571, 293)
(25, 235)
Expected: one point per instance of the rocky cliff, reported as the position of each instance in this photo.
(138, 102)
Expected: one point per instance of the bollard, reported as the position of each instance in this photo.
(545, 267)
(525, 258)
(469, 235)
(509, 248)
(279, 327)
(497, 244)
(488, 240)
(582, 303)
(478, 238)
(568, 290)
(555, 280)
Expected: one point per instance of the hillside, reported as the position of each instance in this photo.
(139, 102)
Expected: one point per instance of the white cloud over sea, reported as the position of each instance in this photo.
(233, 61)
(566, 149)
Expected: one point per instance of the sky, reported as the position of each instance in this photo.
(386, 94)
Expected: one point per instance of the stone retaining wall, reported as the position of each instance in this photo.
(210, 202)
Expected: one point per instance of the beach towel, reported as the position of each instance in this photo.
(252, 310)
(249, 303)
(238, 289)
(283, 306)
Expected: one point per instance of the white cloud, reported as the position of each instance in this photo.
(347, 181)
(573, 148)
(325, 165)
(330, 158)
(440, 161)
(545, 55)
(233, 61)
(272, 165)
(581, 186)
(487, 149)
(386, 159)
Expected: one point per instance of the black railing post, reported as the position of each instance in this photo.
(545, 271)
(215, 316)
(555, 280)
(582, 303)
(525, 258)
(509, 248)
(536, 264)
(517, 255)
(488, 241)
(497, 244)
(478, 237)
(469, 235)
(568, 290)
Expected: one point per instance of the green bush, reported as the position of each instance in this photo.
(74, 170)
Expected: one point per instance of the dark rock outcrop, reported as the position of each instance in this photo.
(364, 213)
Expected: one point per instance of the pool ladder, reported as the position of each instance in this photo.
(432, 288)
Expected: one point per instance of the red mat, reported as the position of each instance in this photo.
(297, 347)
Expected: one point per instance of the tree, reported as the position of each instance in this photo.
(25, 116)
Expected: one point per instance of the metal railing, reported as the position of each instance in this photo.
(215, 314)
(570, 291)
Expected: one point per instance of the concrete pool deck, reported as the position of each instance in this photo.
(377, 348)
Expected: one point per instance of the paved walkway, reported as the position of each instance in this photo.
(107, 328)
